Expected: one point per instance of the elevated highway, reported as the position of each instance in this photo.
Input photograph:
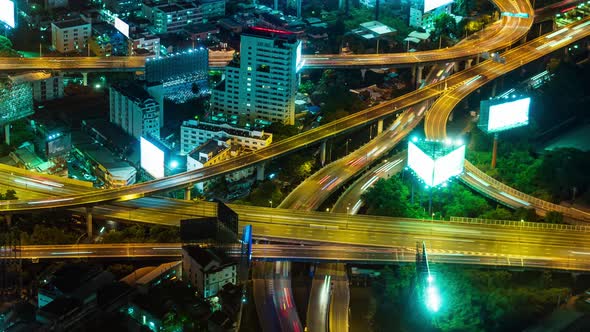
(509, 31)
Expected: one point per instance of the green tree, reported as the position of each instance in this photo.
(6, 49)
(48, 235)
(389, 198)
(281, 131)
(10, 195)
(554, 217)
(499, 213)
(445, 24)
(297, 167)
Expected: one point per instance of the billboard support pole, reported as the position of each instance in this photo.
(495, 151)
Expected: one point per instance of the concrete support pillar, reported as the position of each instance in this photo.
(276, 4)
(419, 76)
(323, 153)
(85, 79)
(455, 66)
(477, 59)
(468, 63)
(187, 193)
(299, 8)
(414, 73)
(89, 222)
(8, 218)
(363, 72)
(299, 78)
(7, 134)
(340, 4)
(494, 86)
(260, 172)
(379, 126)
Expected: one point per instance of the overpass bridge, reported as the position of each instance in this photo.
(309, 253)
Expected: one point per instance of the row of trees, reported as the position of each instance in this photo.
(472, 299)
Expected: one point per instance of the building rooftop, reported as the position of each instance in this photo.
(205, 256)
(377, 27)
(132, 90)
(271, 33)
(70, 23)
(29, 77)
(419, 35)
(226, 128)
(201, 27)
(104, 29)
(157, 272)
(211, 148)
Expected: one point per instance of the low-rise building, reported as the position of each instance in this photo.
(142, 42)
(44, 85)
(70, 36)
(194, 133)
(174, 16)
(107, 41)
(206, 270)
(210, 153)
(134, 110)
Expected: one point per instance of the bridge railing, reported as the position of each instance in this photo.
(536, 202)
(521, 224)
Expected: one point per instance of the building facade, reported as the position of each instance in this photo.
(16, 99)
(195, 133)
(143, 43)
(263, 85)
(174, 16)
(134, 110)
(70, 36)
(207, 270)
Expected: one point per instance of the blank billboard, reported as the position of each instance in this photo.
(420, 163)
(433, 4)
(448, 166)
(152, 158)
(509, 115)
(498, 114)
(439, 163)
(122, 27)
(7, 13)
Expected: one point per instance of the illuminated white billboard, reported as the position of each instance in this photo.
(420, 163)
(449, 165)
(508, 115)
(152, 158)
(433, 4)
(448, 161)
(121, 26)
(7, 13)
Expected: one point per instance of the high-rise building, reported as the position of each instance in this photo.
(134, 110)
(262, 85)
(169, 16)
(70, 36)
